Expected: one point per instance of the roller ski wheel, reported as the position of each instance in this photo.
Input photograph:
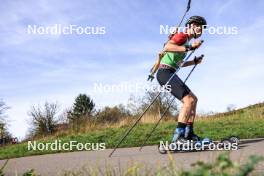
(225, 142)
(234, 139)
(162, 150)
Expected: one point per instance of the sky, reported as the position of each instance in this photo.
(37, 68)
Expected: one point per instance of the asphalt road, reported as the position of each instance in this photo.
(149, 157)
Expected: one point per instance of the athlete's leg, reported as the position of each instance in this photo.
(189, 133)
(188, 109)
(189, 102)
(181, 91)
(193, 109)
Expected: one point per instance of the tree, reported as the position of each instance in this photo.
(44, 119)
(3, 108)
(112, 114)
(82, 109)
(231, 107)
(137, 105)
(83, 106)
(4, 134)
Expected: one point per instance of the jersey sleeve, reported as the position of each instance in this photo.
(179, 38)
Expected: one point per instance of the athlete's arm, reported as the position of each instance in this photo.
(193, 62)
(188, 63)
(176, 43)
(171, 46)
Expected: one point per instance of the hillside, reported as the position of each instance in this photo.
(246, 123)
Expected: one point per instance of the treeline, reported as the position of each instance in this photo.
(5, 136)
(48, 118)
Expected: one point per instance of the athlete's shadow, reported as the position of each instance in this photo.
(245, 142)
(248, 141)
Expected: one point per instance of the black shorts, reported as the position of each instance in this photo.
(178, 87)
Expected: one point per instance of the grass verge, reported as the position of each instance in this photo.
(245, 123)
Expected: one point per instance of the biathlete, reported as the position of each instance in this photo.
(175, 51)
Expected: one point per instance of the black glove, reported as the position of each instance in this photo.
(196, 60)
(150, 78)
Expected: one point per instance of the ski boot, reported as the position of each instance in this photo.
(178, 138)
(179, 135)
(190, 135)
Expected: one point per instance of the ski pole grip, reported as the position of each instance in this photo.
(196, 59)
(150, 78)
(200, 57)
(202, 41)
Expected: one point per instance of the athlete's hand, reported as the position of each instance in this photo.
(197, 44)
(150, 78)
(198, 60)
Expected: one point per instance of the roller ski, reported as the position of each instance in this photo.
(189, 145)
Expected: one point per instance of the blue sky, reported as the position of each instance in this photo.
(39, 68)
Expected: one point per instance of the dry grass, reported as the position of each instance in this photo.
(251, 112)
(90, 126)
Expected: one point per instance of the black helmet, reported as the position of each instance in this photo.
(196, 19)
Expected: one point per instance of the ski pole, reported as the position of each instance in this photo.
(163, 114)
(155, 67)
(139, 118)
